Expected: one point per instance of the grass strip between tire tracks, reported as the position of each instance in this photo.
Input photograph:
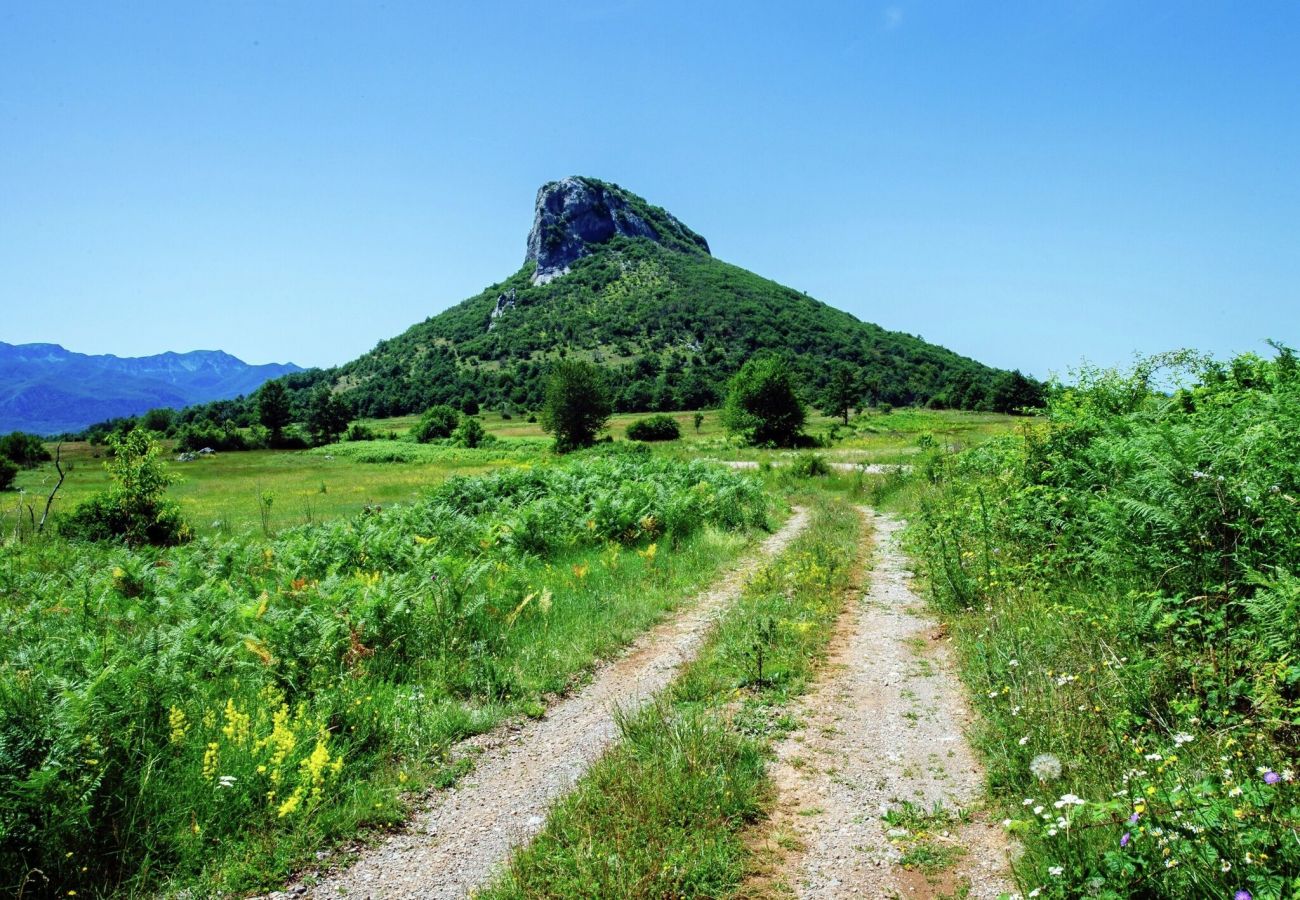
(665, 812)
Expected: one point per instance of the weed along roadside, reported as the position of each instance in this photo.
(205, 718)
(668, 810)
(461, 837)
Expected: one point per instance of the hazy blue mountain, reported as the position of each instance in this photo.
(46, 389)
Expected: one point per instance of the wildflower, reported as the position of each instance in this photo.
(1069, 800)
(1056, 871)
(1225, 866)
(1128, 836)
(226, 781)
(1182, 738)
(1045, 766)
(1271, 777)
(1024, 740)
(176, 719)
(1242, 895)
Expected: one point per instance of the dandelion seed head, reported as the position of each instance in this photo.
(1045, 766)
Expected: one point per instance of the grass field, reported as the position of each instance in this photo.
(225, 492)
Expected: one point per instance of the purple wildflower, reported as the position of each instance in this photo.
(1133, 818)
(1242, 895)
(1123, 842)
(1271, 777)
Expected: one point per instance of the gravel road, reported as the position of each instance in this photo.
(883, 725)
(463, 835)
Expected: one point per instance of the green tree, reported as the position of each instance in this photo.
(842, 392)
(273, 409)
(763, 406)
(577, 404)
(327, 416)
(134, 508)
(438, 422)
(25, 450)
(8, 472)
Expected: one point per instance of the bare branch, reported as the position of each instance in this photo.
(49, 501)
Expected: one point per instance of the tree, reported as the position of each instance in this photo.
(842, 392)
(133, 509)
(698, 419)
(273, 409)
(438, 422)
(8, 472)
(24, 450)
(327, 416)
(762, 405)
(577, 404)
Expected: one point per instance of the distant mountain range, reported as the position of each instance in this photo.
(45, 389)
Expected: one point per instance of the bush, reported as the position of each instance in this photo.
(809, 465)
(1123, 586)
(134, 509)
(438, 422)
(654, 428)
(8, 472)
(199, 435)
(358, 432)
(24, 450)
(578, 404)
(762, 405)
(470, 433)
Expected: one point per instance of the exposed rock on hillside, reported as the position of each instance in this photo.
(574, 213)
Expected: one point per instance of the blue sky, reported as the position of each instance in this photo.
(1027, 183)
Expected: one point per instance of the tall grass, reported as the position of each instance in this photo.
(1122, 584)
(201, 717)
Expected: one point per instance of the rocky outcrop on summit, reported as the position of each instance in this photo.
(574, 213)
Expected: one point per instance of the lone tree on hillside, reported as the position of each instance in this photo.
(273, 409)
(842, 392)
(762, 404)
(327, 416)
(577, 404)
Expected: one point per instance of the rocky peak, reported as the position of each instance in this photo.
(575, 213)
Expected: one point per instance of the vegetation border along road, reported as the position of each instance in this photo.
(1122, 583)
(209, 715)
(665, 812)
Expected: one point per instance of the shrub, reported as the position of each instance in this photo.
(358, 432)
(809, 465)
(470, 433)
(438, 422)
(8, 472)
(24, 450)
(134, 509)
(578, 404)
(199, 435)
(654, 428)
(762, 405)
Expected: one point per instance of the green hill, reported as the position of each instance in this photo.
(671, 320)
(610, 278)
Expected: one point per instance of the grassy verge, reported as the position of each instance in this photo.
(663, 814)
(1121, 587)
(202, 718)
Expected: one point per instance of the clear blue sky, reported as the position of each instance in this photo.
(1029, 183)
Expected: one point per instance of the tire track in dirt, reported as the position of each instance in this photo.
(463, 835)
(883, 727)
